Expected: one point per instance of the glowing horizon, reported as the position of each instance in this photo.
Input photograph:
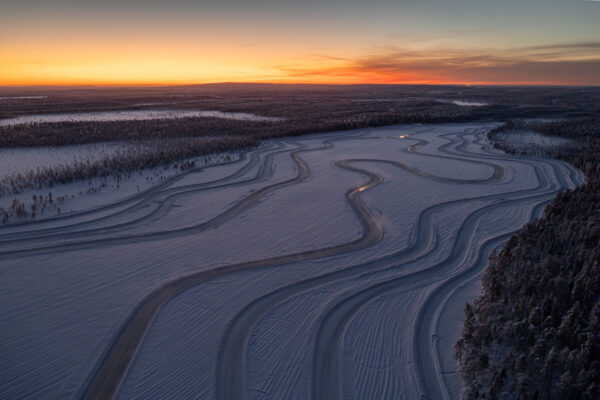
(332, 42)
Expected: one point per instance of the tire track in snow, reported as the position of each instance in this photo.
(222, 217)
(145, 198)
(327, 377)
(434, 386)
(424, 342)
(231, 372)
(165, 204)
(111, 206)
(175, 287)
(113, 367)
(498, 174)
(565, 174)
(227, 214)
(326, 373)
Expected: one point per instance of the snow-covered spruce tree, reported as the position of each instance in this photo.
(534, 333)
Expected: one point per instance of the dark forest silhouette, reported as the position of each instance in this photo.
(534, 333)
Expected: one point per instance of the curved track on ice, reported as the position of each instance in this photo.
(140, 201)
(114, 365)
(384, 274)
(231, 369)
(326, 373)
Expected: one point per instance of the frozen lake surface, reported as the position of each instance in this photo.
(8, 98)
(137, 115)
(323, 266)
(464, 103)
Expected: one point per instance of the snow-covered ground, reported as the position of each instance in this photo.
(463, 103)
(82, 195)
(136, 115)
(8, 98)
(529, 141)
(24, 159)
(311, 267)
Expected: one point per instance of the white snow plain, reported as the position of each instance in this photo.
(318, 266)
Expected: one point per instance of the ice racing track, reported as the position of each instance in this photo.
(343, 263)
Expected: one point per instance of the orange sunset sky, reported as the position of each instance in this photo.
(68, 42)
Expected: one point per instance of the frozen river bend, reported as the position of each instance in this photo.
(325, 266)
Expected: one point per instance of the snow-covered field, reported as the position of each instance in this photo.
(464, 103)
(82, 195)
(24, 159)
(318, 267)
(136, 115)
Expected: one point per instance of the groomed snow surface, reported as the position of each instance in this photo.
(324, 266)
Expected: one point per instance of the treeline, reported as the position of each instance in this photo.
(74, 133)
(133, 157)
(304, 109)
(292, 101)
(583, 150)
(39, 204)
(311, 121)
(534, 333)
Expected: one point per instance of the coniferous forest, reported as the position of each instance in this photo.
(534, 333)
